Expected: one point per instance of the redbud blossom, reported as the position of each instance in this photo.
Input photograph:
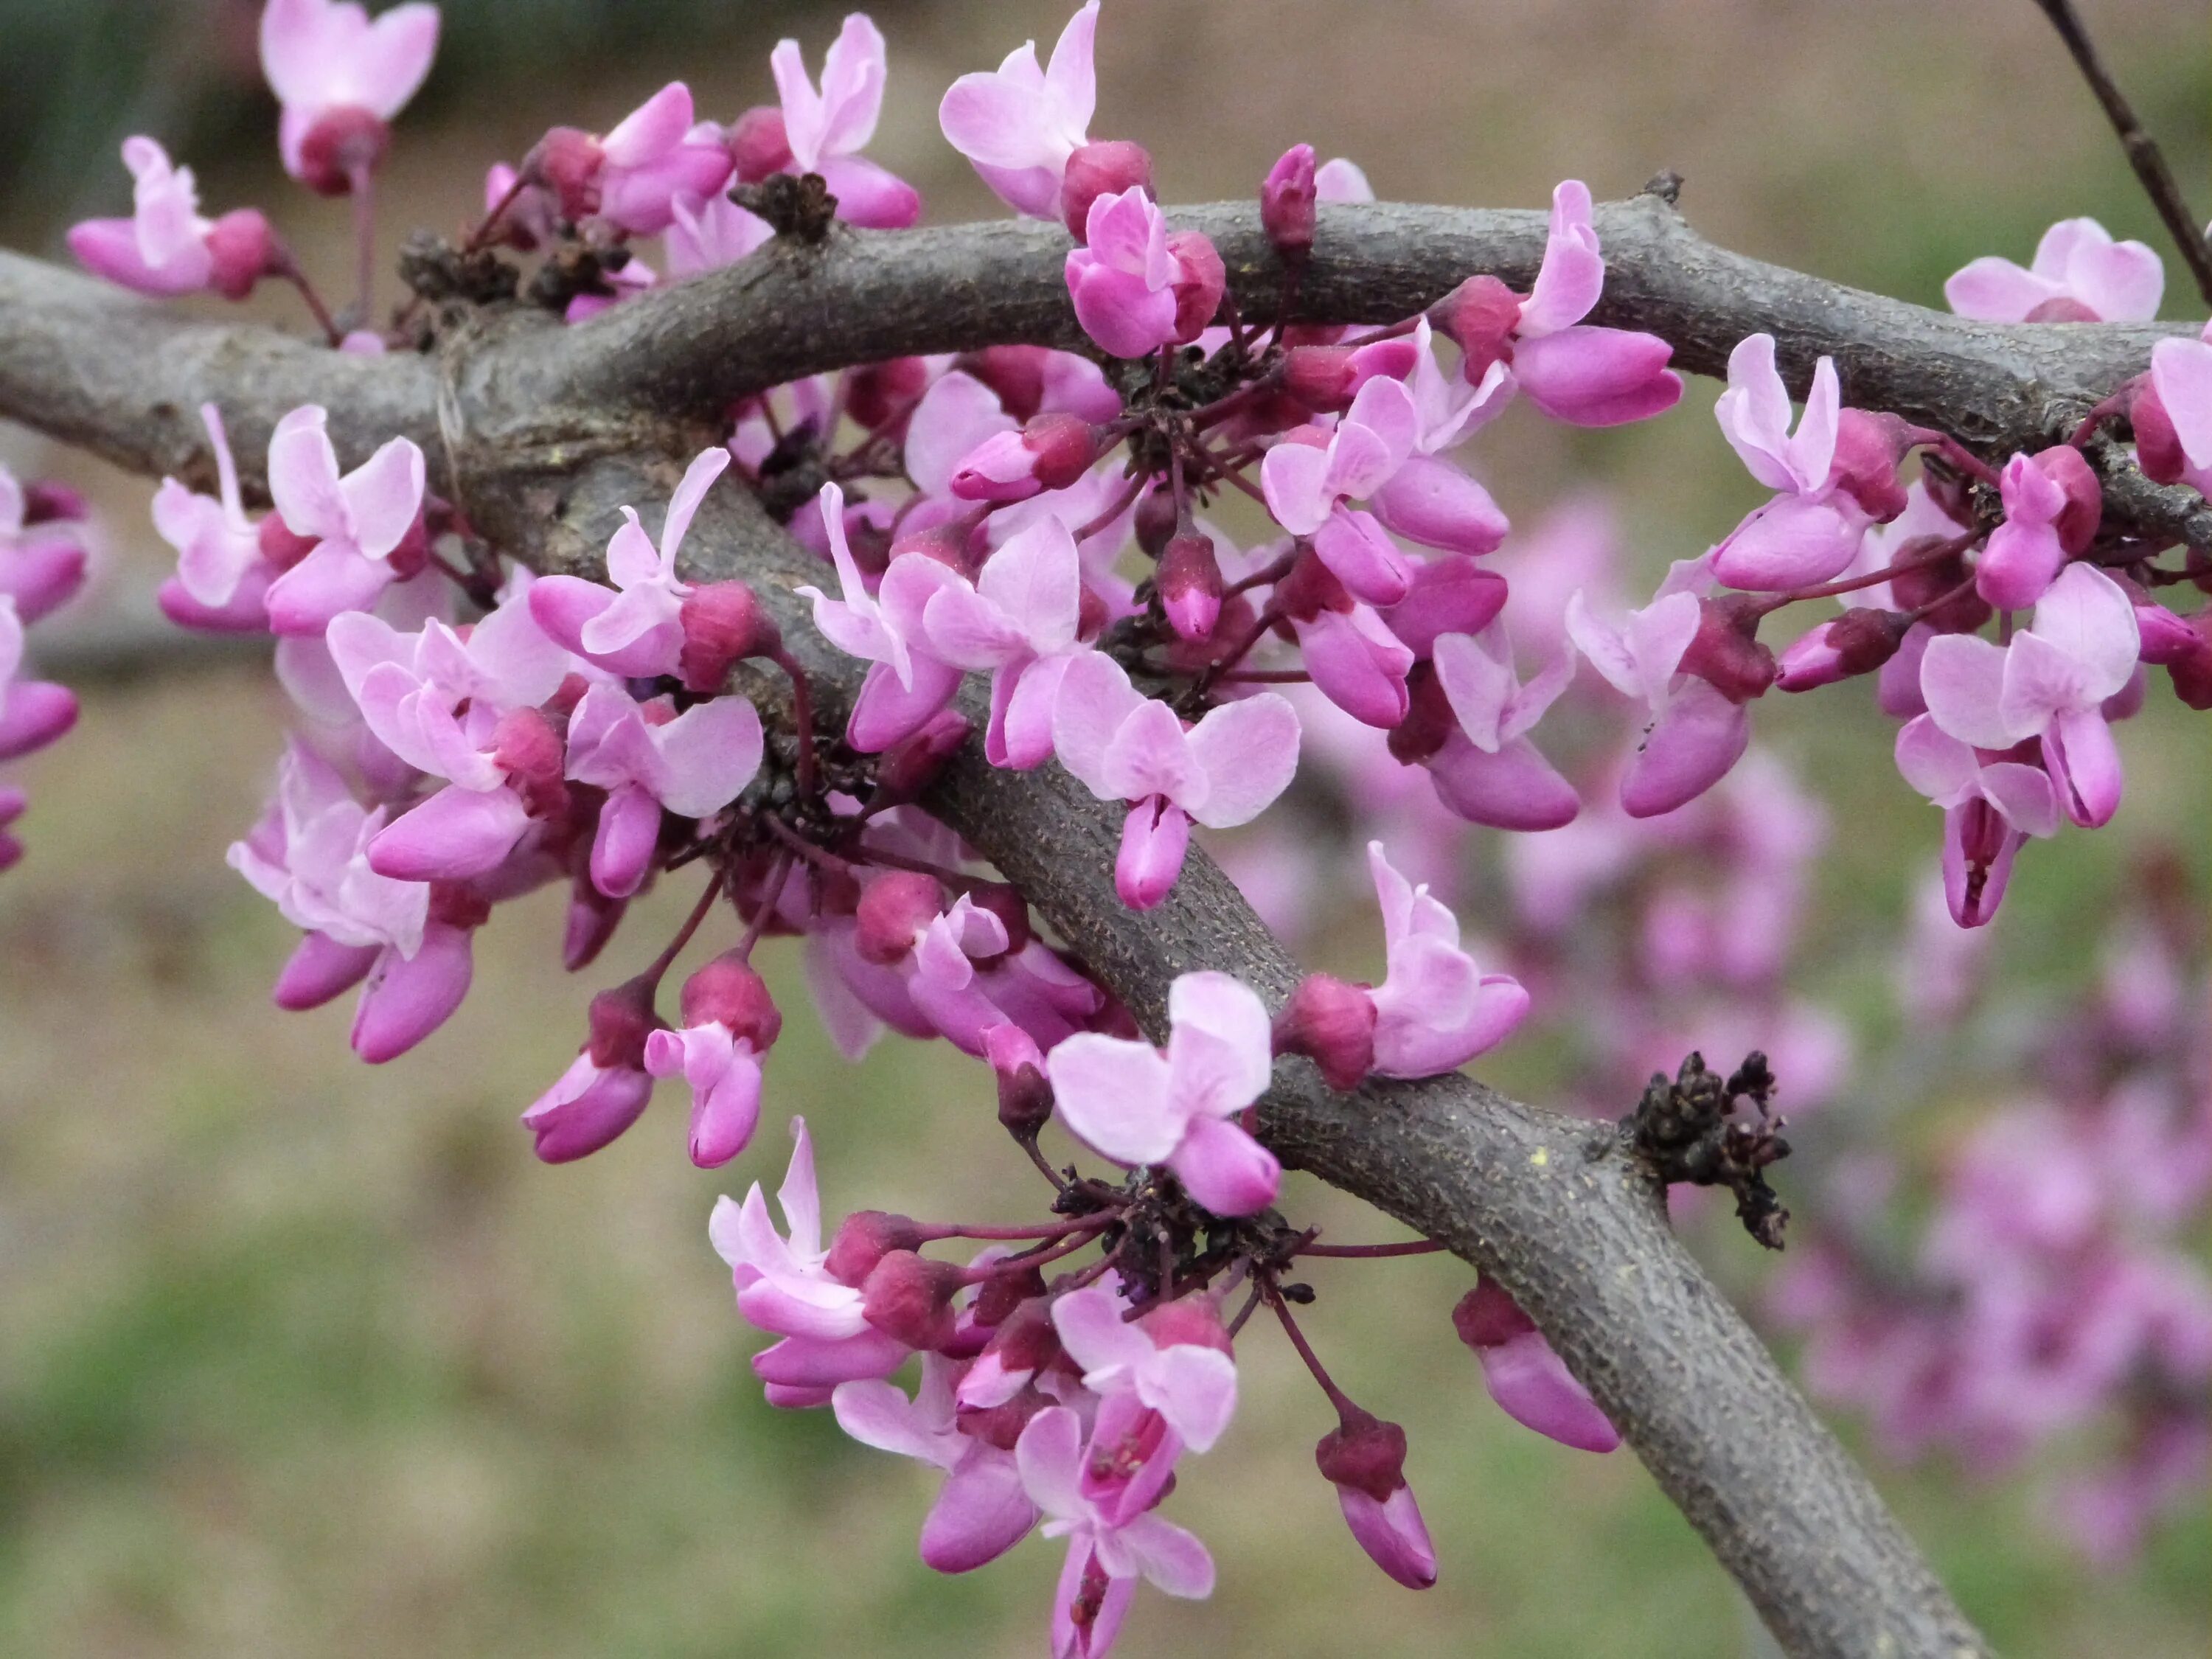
(1524, 1376)
(1286, 204)
(341, 78)
(1105, 168)
(1364, 1458)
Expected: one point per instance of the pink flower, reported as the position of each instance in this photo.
(981, 1511)
(637, 633)
(1129, 1102)
(356, 520)
(1571, 371)
(2081, 275)
(32, 712)
(957, 416)
(341, 78)
(908, 682)
(634, 176)
(1176, 1361)
(586, 1109)
(2181, 392)
(43, 548)
(1435, 1010)
(1105, 1555)
(707, 233)
(649, 759)
(1122, 745)
(1341, 179)
(1365, 1458)
(1431, 501)
(1504, 782)
(217, 543)
(2050, 684)
(730, 1022)
(1811, 529)
(1990, 807)
(1524, 1376)
(1122, 281)
(1306, 484)
(2053, 504)
(784, 1288)
(1697, 734)
(826, 130)
(1019, 124)
(165, 247)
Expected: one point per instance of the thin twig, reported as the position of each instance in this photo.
(2144, 153)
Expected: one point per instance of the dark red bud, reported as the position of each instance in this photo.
(758, 144)
(1320, 377)
(878, 394)
(1063, 445)
(48, 503)
(1013, 910)
(457, 904)
(1105, 168)
(1024, 1101)
(412, 554)
(280, 546)
(1866, 638)
(1002, 1425)
(909, 1298)
(2192, 671)
(1479, 317)
(1016, 373)
(911, 765)
(1003, 1296)
(1091, 615)
(244, 250)
(344, 144)
(896, 907)
(1310, 588)
(2084, 511)
(1429, 722)
(532, 754)
(728, 991)
(1924, 584)
(1726, 653)
(1288, 198)
(864, 1238)
(1868, 447)
(723, 623)
(1365, 1453)
(1200, 280)
(1333, 1024)
(621, 1019)
(2158, 445)
(568, 161)
(1025, 1340)
(1156, 520)
(1487, 1317)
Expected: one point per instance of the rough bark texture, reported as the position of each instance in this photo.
(541, 433)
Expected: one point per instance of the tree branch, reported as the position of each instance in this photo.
(542, 432)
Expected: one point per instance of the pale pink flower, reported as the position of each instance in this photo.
(1122, 745)
(44, 548)
(1122, 279)
(1131, 1102)
(651, 759)
(1811, 531)
(2081, 275)
(708, 233)
(1019, 124)
(356, 520)
(1177, 1364)
(1696, 734)
(981, 1511)
(1435, 1010)
(340, 79)
(1496, 775)
(653, 157)
(165, 247)
(1306, 486)
(217, 543)
(826, 129)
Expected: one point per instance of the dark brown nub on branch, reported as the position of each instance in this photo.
(1693, 1130)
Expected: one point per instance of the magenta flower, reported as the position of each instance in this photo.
(165, 247)
(2181, 392)
(1365, 1458)
(1019, 124)
(1431, 501)
(1106, 1555)
(2049, 683)
(730, 1023)
(2081, 275)
(1572, 371)
(784, 1288)
(708, 233)
(633, 177)
(309, 854)
(1527, 1379)
(1177, 1364)
(1122, 280)
(341, 79)
(43, 551)
(650, 759)
(957, 416)
(588, 1108)
(1696, 734)
(356, 520)
(2053, 504)
(636, 632)
(1129, 1102)
(826, 130)
(1811, 529)
(981, 1511)
(1496, 775)
(217, 543)
(1306, 485)
(1435, 1010)
(1990, 807)
(32, 712)
(1122, 745)
(909, 681)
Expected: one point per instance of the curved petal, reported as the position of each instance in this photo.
(1248, 751)
(1114, 1096)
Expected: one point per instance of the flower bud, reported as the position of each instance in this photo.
(1051, 452)
(1924, 584)
(896, 907)
(45, 501)
(591, 922)
(723, 623)
(911, 764)
(1105, 168)
(1869, 445)
(1333, 1024)
(621, 1020)
(1200, 280)
(1365, 1458)
(758, 144)
(1856, 642)
(1156, 520)
(1001, 1426)
(1286, 204)
(1005, 902)
(1726, 653)
(1192, 1320)
(2078, 520)
(1188, 582)
(1363, 1452)
(2158, 445)
(727, 992)
(1310, 588)
(244, 250)
(909, 1298)
(1024, 1095)
(1016, 373)
(1479, 317)
(532, 754)
(1320, 377)
(1524, 1376)
(863, 1238)
(568, 161)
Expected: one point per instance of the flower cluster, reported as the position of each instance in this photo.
(44, 554)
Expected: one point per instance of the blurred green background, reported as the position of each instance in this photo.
(299, 1356)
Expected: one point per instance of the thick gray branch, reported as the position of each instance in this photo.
(541, 433)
